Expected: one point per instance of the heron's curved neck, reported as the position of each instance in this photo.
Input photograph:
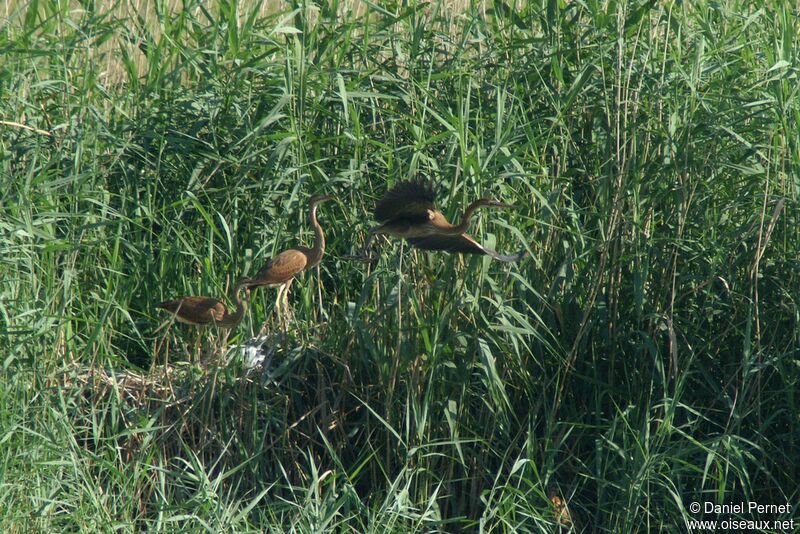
(233, 319)
(318, 250)
(462, 227)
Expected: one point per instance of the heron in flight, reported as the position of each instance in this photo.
(408, 211)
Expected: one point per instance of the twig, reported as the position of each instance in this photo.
(26, 127)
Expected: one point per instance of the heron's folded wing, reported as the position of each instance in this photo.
(198, 310)
(280, 268)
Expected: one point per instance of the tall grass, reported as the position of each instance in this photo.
(644, 356)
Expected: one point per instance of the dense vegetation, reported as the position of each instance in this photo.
(644, 357)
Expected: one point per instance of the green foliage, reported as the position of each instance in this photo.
(643, 357)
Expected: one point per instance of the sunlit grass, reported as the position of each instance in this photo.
(644, 356)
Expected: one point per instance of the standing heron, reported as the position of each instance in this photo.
(207, 311)
(281, 270)
(407, 211)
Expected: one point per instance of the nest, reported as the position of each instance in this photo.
(178, 404)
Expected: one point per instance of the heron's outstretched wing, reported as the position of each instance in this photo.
(463, 244)
(408, 200)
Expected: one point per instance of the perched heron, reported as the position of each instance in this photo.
(201, 311)
(281, 270)
(407, 211)
(207, 311)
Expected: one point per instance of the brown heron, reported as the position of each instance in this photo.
(206, 311)
(281, 270)
(407, 211)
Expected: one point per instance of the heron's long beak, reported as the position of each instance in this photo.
(247, 283)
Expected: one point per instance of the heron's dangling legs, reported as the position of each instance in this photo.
(288, 313)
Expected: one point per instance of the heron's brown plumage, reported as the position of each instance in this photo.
(281, 268)
(200, 311)
(195, 310)
(407, 211)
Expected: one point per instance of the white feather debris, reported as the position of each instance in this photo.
(254, 353)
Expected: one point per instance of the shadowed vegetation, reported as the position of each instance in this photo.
(645, 356)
